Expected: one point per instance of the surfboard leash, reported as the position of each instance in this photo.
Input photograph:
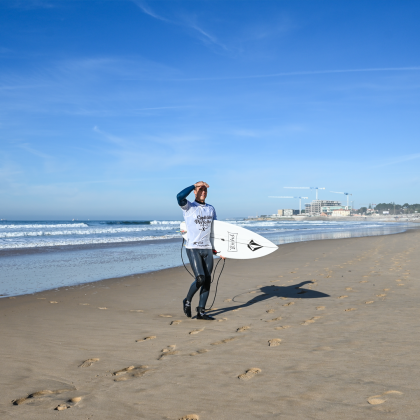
(214, 272)
(182, 258)
(217, 284)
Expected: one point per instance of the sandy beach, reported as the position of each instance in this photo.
(317, 330)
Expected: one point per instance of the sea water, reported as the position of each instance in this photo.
(41, 255)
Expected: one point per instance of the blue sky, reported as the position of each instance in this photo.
(109, 108)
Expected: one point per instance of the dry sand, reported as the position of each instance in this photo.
(317, 330)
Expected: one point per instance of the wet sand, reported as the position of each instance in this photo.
(318, 330)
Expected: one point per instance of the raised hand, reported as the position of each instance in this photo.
(201, 184)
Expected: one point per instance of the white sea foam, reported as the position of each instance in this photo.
(40, 226)
(87, 231)
(164, 222)
(37, 234)
(85, 241)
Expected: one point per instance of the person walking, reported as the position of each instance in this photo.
(198, 216)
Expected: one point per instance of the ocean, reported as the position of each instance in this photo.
(41, 255)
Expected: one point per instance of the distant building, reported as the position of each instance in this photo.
(316, 207)
(330, 209)
(287, 212)
(340, 212)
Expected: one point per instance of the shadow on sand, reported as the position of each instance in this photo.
(269, 292)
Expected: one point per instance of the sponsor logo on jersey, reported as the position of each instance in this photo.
(204, 222)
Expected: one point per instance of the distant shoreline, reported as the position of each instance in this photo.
(303, 218)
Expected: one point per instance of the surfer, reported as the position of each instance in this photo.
(198, 217)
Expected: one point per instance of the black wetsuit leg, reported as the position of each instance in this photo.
(201, 261)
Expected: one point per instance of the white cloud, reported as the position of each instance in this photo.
(398, 159)
(146, 9)
(185, 21)
(29, 149)
(308, 73)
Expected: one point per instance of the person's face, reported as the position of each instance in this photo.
(201, 193)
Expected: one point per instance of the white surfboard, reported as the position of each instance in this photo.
(233, 241)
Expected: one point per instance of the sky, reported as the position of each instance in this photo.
(109, 108)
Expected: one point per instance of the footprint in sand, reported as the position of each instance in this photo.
(288, 304)
(270, 311)
(310, 321)
(190, 417)
(136, 310)
(169, 351)
(201, 351)
(53, 301)
(39, 394)
(89, 362)
(349, 288)
(226, 340)
(274, 319)
(342, 297)
(176, 322)
(151, 337)
(369, 302)
(249, 374)
(363, 281)
(103, 307)
(283, 327)
(62, 407)
(349, 309)
(236, 310)
(75, 399)
(376, 399)
(165, 316)
(320, 308)
(227, 300)
(130, 371)
(196, 331)
(244, 328)
(253, 291)
(124, 370)
(386, 290)
(222, 320)
(274, 342)
(381, 295)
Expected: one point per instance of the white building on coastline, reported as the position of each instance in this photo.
(286, 212)
(327, 207)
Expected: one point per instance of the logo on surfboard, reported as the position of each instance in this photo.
(253, 246)
(232, 242)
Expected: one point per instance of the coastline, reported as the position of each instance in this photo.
(29, 270)
(303, 218)
(332, 358)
